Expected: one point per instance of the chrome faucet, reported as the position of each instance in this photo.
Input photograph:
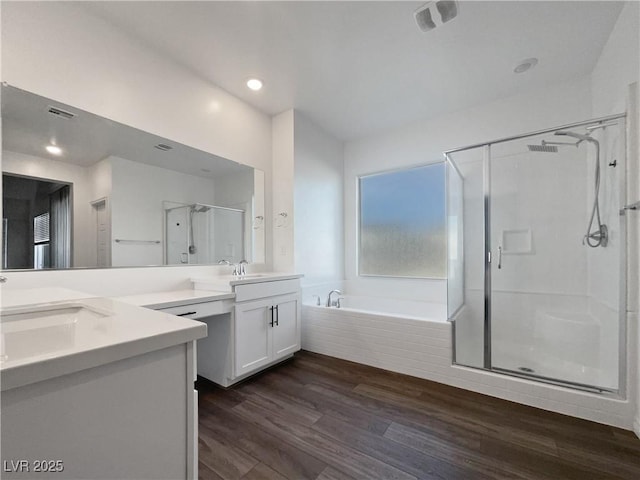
(329, 302)
(227, 262)
(242, 268)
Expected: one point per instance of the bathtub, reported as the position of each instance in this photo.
(388, 307)
(398, 335)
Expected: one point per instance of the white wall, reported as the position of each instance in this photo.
(617, 69)
(318, 197)
(282, 187)
(58, 50)
(618, 65)
(424, 142)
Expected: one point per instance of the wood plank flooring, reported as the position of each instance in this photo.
(317, 417)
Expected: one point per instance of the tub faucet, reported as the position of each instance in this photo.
(329, 302)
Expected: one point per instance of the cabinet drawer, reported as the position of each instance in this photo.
(251, 291)
(198, 310)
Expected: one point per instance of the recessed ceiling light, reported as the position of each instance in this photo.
(54, 149)
(525, 65)
(254, 84)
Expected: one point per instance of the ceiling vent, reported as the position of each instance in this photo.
(434, 14)
(58, 112)
(163, 147)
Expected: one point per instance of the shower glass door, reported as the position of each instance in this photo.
(540, 322)
(528, 296)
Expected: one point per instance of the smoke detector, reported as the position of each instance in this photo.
(434, 14)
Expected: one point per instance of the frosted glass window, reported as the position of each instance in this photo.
(402, 223)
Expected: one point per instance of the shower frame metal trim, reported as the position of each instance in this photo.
(538, 132)
(486, 192)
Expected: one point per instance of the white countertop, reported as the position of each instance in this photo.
(112, 331)
(27, 296)
(227, 282)
(175, 298)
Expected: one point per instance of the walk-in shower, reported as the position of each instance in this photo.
(526, 295)
(203, 234)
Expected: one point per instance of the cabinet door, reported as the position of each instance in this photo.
(286, 333)
(252, 335)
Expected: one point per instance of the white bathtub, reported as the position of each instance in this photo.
(388, 307)
(398, 335)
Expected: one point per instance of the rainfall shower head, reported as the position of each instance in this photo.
(543, 148)
(550, 147)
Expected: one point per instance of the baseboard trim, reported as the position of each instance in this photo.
(636, 426)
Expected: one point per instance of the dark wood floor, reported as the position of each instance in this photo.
(317, 417)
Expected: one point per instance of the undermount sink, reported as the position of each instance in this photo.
(37, 330)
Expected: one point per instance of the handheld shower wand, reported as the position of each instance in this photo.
(599, 237)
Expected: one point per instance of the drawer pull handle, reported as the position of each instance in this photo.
(185, 314)
(271, 322)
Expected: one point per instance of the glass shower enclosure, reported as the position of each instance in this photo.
(536, 252)
(203, 234)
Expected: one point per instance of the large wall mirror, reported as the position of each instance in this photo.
(79, 190)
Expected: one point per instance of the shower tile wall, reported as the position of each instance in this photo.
(544, 195)
(603, 280)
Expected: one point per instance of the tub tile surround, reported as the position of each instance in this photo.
(424, 349)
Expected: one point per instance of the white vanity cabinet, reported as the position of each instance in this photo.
(252, 321)
(94, 388)
(262, 329)
(266, 330)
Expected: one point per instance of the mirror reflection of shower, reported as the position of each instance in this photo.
(197, 233)
(598, 236)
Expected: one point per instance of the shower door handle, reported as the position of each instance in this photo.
(499, 257)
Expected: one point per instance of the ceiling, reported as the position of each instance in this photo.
(28, 128)
(357, 68)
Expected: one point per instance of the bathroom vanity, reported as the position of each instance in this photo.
(96, 388)
(101, 388)
(253, 321)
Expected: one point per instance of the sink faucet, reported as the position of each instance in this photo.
(227, 262)
(241, 266)
(329, 302)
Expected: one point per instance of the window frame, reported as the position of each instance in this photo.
(359, 177)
